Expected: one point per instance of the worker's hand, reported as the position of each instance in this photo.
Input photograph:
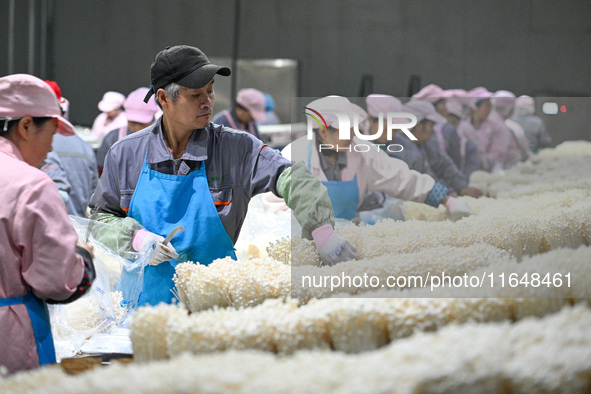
(149, 241)
(472, 192)
(163, 253)
(333, 248)
(457, 209)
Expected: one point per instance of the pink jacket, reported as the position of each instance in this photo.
(37, 252)
(496, 150)
(375, 170)
(102, 125)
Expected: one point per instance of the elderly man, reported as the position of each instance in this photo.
(186, 170)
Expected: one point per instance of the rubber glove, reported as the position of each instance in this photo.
(457, 209)
(145, 240)
(333, 248)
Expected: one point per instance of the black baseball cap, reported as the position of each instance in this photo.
(186, 65)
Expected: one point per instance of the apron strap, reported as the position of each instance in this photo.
(12, 301)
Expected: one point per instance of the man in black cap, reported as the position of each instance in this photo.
(185, 170)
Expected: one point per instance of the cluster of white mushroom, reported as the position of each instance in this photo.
(361, 324)
(567, 166)
(227, 282)
(294, 251)
(552, 354)
(524, 226)
(247, 283)
(308, 282)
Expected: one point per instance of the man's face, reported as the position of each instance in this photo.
(193, 108)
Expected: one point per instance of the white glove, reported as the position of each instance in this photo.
(457, 209)
(161, 252)
(333, 248)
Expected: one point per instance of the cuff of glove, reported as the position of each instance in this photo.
(87, 278)
(322, 234)
(138, 239)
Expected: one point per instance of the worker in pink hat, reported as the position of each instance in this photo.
(250, 108)
(377, 104)
(437, 96)
(504, 104)
(461, 150)
(494, 141)
(533, 125)
(398, 147)
(111, 117)
(139, 116)
(41, 259)
(454, 110)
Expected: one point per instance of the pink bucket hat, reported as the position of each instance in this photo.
(254, 101)
(136, 110)
(382, 103)
(454, 107)
(454, 93)
(26, 95)
(525, 105)
(474, 96)
(327, 106)
(423, 110)
(503, 99)
(111, 101)
(431, 93)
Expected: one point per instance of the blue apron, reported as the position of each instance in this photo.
(160, 203)
(39, 316)
(344, 195)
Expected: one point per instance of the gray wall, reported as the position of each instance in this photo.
(528, 47)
